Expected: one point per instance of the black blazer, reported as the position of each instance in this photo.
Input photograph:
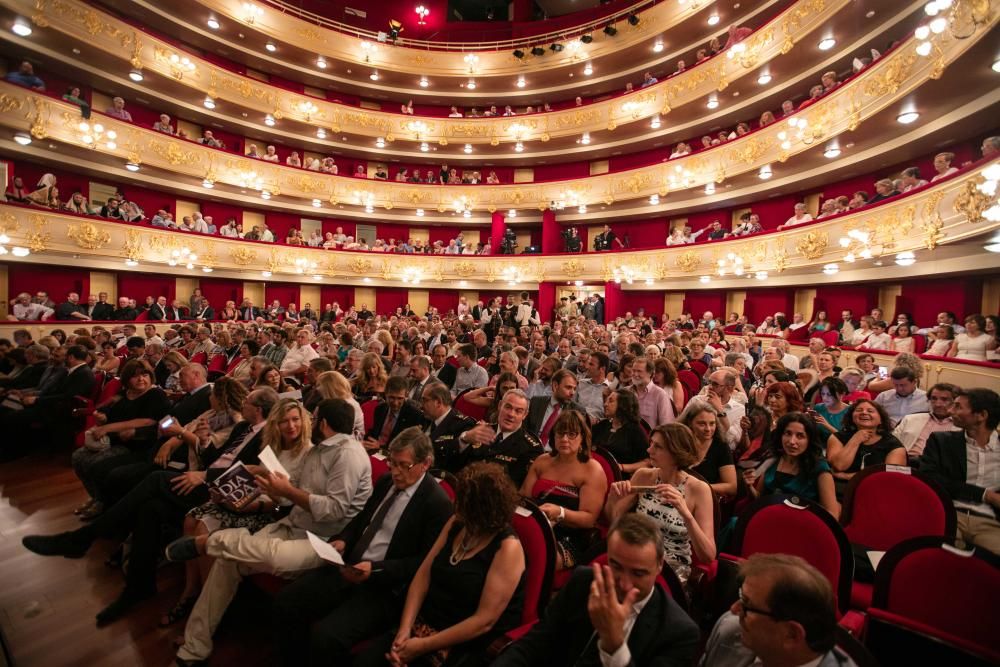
(157, 312)
(444, 437)
(248, 455)
(207, 314)
(447, 375)
(161, 373)
(58, 395)
(533, 423)
(190, 406)
(663, 635)
(28, 378)
(254, 313)
(944, 460)
(175, 316)
(515, 453)
(102, 311)
(408, 416)
(419, 526)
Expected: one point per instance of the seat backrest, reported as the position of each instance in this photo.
(699, 368)
(110, 390)
(379, 466)
(200, 358)
(799, 334)
(612, 469)
(469, 409)
(919, 344)
(831, 337)
(539, 544)
(691, 383)
(896, 640)
(368, 411)
(447, 481)
(142, 316)
(929, 581)
(885, 505)
(217, 364)
(780, 524)
(99, 379)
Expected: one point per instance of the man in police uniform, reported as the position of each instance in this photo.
(446, 426)
(506, 442)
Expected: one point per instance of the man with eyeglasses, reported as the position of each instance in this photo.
(718, 395)
(785, 615)
(323, 614)
(449, 430)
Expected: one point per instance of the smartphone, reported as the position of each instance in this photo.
(643, 488)
(883, 372)
(166, 422)
(176, 465)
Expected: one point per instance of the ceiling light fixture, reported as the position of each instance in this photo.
(765, 172)
(585, 139)
(271, 47)
(321, 62)
(556, 47)
(710, 188)
(938, 25)
(266, 274)
(22, 138)
(760, 275)
(420, 212)
(654, 200)
(213, 23)
(131, 262)
(519, 147)
(521, 83)
(996, 65)
(512, 213)
(831, 269)
(373, 76)
(422, 13)
(831, 152)
(705, 279)
(208, 183)
(714, 19)
(209, 103)
(132, 166)
(269, 120)
(581, 209)
(588, 69)
(380, 142)
(906, 259)
(924, 49)
(655, 122)
(21, 28)
(764, 78)
(993, 245)
(587, 38)
(907, 117)
(657, 46)
(827, 43)
(317, 203)
(321, 133)
(471, 85)
(424, 147)
(610, 30)
(467, 149)
(135, 75)
(265, 194)
(424, 82)
(713, 102)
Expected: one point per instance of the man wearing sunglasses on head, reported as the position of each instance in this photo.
(784, 615)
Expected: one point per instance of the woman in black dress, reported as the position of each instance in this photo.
(865, 440)
(621, 433)
(715, 462)
(472, 578)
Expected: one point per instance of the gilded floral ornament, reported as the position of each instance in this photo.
(39, 237)
(132, 247)
(573, 268)
(780, 258)
(243, 256)
(688, 261)
(88, 236)
(359, 265)
(933, 224)
(972, 202)
(10, 103)
(812, 245)
(465, 268)
(40, 118)
(173, 153)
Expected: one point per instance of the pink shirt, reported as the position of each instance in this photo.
(654, 405)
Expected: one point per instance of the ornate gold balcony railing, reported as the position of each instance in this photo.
(939, 216)
(75, 19)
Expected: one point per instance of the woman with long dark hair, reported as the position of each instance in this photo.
(620, 431)
(865, 440)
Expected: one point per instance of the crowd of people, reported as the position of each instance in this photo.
(695, 412)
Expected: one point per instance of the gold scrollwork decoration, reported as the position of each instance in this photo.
(243, 256)
(88, 236)
(688, 261)
(465, 268)
(812, 245)
(132, 247)
(359, 265)
(39, 237)
(573, 268)
(971, 202)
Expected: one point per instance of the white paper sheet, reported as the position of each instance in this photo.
(324, 549)
(271, 462)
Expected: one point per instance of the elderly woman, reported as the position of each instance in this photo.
(679, 503)
(126, 432)
(569, 487)
(242, 370)
(620, 432)
(509, 363)
(469, 588)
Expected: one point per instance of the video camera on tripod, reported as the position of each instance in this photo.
(508, 242)
(571, 240)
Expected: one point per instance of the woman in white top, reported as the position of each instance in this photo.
(973, 344)
(942, 164)
(862, 333)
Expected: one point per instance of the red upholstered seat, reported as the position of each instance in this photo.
(691, 384)
(919, 344)
(368, 410)
(142, 316)
(379, 467)
(799, 335)
(447, 481)
(539, 546)
(217, 366)
(463, 405)
(699, 368)
(831, 338)
(233, 364)
(200, 358)
(784, 525)
(945, 592)
(884, 506)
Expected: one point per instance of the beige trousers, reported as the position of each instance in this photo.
(979, 531)
(273, 550)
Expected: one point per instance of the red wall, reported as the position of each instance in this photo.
(140, 285)
(342, 294)
(285, 293)
(697, 303)
(761, 303)
(220, 290)
(58, 282)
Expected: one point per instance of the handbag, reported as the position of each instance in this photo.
(95, 444)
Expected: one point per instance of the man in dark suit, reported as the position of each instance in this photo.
(175, 313)
(103, 310)
(163, 497)
(392, 416)
(614, 613)
(204, 312)
(420, 377)
(321, 615)
(124, 312)
(507, 442)
(158, 311)
(248, 312)
(440, 368)
(36, 359)
(446, 426)
(976, 493)
(71, 309)
(544, 410)
(47, 411)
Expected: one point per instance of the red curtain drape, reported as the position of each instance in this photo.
(285, 293)
(220, 290)
(58, 282)
(140, 285)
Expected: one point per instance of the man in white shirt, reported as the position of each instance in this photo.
(199, 224)
(297, 359)
(151, 335)
(27, 311)
(907, 399)
(944, 318)
(798, 321)
(267, 236)
(229, 229)
(729, 411)
(612, 617)
(914, 430)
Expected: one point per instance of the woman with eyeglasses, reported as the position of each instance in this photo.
(680, 504)
(569, 487)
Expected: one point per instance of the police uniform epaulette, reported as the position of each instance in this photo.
(532, 439)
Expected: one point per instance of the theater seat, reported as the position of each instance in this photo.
(929, 587)
(690, 382)
(379, 466)
(368, 410)
(217, 366)
(447, 481)
(463, 405)
(831, 338)
(886, 505)
(200, 358)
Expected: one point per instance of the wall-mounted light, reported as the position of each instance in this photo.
(271, 47)
(22, 138)
(135, 75)
(132, 166)
(213, 23)
(422, 14)
(827, 43)
(321, 62)
(21, 28)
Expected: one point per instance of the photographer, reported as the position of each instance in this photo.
(508, 242)
(572, 240)
(606, 240)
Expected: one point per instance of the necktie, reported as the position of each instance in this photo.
(373, 527)
(387, 426)
(549, 423)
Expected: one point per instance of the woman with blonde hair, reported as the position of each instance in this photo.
(332, 384)
(287, 432)
(174, 361)
(371, 378)
(388, 344)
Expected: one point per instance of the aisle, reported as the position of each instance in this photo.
(47, 605)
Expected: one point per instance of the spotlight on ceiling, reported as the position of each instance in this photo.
(610, 30)
(519, 54)
(827, 44)
(213, 23)
(537, 51)
(556, 47)
(132, 166)
(271, 46)
(21, 28)
(22, 138)
(424, 82)
(633, 19)
(135, 75)
(587, 39)
(907, 117)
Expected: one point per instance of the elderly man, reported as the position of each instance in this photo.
(27, 311)
(718, 395)
(124, 312)
(785, 615)
(322, 615)
(297, 360)
(335, 485)
(914, 430)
